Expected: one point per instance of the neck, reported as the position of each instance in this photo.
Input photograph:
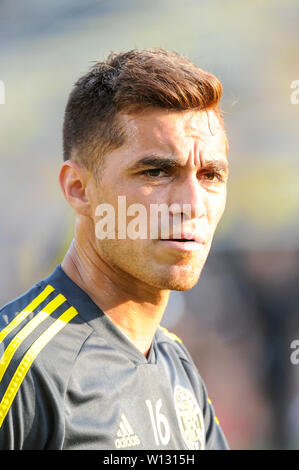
(135, 308)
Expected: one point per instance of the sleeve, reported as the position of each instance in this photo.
(30, 409)
(30, 420)
(31, 386)
(18, 415)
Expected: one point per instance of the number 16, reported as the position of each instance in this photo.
(159, 422)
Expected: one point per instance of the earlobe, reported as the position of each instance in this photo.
(73, 181)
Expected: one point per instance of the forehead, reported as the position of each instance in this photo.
(175, 132)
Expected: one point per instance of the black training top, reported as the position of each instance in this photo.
(69, 379)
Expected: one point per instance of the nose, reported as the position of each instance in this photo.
(189, 199)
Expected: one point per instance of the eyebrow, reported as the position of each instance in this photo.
(166, 163)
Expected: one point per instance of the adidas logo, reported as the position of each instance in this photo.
(125, 435)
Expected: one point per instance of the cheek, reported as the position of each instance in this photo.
(215, 208)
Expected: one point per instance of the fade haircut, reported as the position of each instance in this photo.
(128, 83)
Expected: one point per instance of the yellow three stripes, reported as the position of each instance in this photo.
(36, 347)
(31, 325)
(24, 313)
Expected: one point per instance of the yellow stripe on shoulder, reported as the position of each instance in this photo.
(25, 312)
(26, 330)
(29, 357)
(215, 417)
(170, 335)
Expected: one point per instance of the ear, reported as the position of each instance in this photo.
(73, 180)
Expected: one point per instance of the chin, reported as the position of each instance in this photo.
(181, 285)
(180, 280)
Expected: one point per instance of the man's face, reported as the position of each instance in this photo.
(173, 158)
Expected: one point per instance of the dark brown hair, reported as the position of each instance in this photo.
(128, 83)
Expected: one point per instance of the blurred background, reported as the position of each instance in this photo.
(239, 321)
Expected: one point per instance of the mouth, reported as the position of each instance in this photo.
(178, 240)
(185, 243)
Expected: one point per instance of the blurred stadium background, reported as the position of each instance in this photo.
(239, 321)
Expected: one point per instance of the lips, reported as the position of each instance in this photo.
(185, 237)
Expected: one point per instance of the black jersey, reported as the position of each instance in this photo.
(69, 379)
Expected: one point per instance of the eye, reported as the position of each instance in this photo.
(154, 173)
(213, 176)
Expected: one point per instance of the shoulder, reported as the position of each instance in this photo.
(41, 334)
(36, 317)
(173, 343)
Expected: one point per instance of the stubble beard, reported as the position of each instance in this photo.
(142, 268)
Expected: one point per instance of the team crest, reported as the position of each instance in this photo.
(190, 419)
